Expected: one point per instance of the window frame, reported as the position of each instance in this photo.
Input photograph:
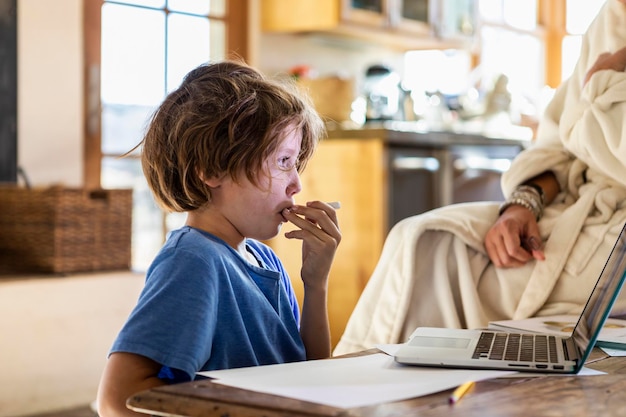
(238, 18)
(552, 19)
(551, 30)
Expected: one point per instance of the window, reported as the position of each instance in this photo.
(579, 15)
(534, 43)
(512, 44)
(509, 42)
(542, 39)
(142, 50)
(528, 28)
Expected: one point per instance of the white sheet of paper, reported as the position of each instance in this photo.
(613, 352)
(614, 330)
(348, 382)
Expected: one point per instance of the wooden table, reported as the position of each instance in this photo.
(571, 396)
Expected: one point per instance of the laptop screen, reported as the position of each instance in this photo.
(601, 301)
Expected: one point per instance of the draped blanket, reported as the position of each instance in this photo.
(434, 271)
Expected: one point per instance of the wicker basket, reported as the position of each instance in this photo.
(61, 230)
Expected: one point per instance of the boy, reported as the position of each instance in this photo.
(226, 147)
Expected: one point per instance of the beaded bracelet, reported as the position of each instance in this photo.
(528, 197)
(535, 187)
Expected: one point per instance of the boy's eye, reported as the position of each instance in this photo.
(286, 162)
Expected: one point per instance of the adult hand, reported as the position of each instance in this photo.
(514, 239)
(320, 235)
(608, 61)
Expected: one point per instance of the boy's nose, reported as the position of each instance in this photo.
(295, 186)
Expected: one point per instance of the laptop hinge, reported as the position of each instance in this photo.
(570, 349)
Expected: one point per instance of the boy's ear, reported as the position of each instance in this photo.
(212, 182)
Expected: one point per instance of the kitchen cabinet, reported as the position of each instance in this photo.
(443, 19)
(404, 24)
(403, 17)
(371, 13)
(454, 19)
(351, 171)
(299, 16)
(381, 176)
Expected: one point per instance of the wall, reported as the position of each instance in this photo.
(56, 332)
(50, 83)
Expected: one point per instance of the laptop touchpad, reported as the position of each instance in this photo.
(439, 342)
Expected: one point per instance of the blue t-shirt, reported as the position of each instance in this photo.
(204, 307)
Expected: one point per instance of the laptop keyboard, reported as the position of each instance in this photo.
(516, 347)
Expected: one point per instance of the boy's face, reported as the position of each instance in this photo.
(255, 212)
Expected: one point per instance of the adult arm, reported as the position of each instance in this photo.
(608, 61)
(514, 239)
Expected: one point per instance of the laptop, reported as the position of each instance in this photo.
(526, 352)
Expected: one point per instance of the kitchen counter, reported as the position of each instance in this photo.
(419, 133)
(459, 163)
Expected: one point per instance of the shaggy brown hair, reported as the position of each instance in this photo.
(225, 119)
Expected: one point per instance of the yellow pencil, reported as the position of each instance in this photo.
(460, 392)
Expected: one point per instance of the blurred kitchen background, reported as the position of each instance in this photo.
(476, 65)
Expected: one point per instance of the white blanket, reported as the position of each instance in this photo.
(434, 271)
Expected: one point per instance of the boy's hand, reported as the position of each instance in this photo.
(320, 235)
